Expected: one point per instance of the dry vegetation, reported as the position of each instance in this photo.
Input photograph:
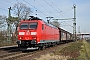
(75, 51)
(72, 51)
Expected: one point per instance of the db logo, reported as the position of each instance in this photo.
(28, 33)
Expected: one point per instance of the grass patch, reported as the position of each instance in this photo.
(72, 50)
(76, 51)
(87, 46)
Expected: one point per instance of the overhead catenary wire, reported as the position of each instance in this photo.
(35, 7)
(57, 7)
(26, 2)
(62, 13)
(3, 9)
(57, 11)
(51, 5)
(42, 6)
(68, 24)
(68, 10)
(4, 4)
(9, 2)
(53, 8)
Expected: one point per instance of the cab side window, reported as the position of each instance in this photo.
(42, 26)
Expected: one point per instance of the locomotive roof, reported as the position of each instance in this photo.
(36, 18)
(49, 24)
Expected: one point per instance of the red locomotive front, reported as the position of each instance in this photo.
(27, 33)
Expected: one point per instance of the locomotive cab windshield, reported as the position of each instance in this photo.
(24, 26)
(31, 25)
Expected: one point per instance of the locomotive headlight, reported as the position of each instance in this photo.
(21, 33)
(33, 33)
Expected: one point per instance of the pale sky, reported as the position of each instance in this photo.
(61, 9)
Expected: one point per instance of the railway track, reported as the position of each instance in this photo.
(13, 53)
(8, 50)
(16, 55)
(12, 56)
(38, 53)
(42, 52)
(8, 54)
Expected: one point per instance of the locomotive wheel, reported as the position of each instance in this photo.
(42, 47)
(39, 48)
(18, 45)
(55, 44)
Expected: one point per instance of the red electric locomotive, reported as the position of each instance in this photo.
(37, 33)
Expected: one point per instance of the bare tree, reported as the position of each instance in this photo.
(21, 10)
(2, 21)
(2, 28)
